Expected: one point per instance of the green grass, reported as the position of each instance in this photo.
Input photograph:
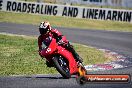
(19, 56)
(65, 22)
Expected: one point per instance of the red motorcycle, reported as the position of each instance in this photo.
(61, 58)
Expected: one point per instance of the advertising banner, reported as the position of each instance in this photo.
(66, 10)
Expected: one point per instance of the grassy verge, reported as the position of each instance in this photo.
(19, 56)
(65, 21)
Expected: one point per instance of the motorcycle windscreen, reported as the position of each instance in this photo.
(49, 48)
(52, 46)
(46, 42)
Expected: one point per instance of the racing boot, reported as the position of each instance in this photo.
(76, 56)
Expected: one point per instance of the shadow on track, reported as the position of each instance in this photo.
(47, 77)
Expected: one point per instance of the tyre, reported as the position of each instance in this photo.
(61, 64)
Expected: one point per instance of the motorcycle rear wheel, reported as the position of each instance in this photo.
(62, 66)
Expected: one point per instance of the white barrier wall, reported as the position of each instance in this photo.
(115, 3)
(67, 11)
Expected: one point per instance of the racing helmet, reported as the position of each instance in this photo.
(44, 27)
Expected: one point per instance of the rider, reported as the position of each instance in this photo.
(46, 30)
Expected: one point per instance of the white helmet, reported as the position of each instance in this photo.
(44, 27)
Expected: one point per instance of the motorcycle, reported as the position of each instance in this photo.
(61, 58)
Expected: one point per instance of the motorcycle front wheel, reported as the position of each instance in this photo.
(61, 64)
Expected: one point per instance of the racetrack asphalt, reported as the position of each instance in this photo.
(120, 42)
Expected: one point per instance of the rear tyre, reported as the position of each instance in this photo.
(62, 66)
